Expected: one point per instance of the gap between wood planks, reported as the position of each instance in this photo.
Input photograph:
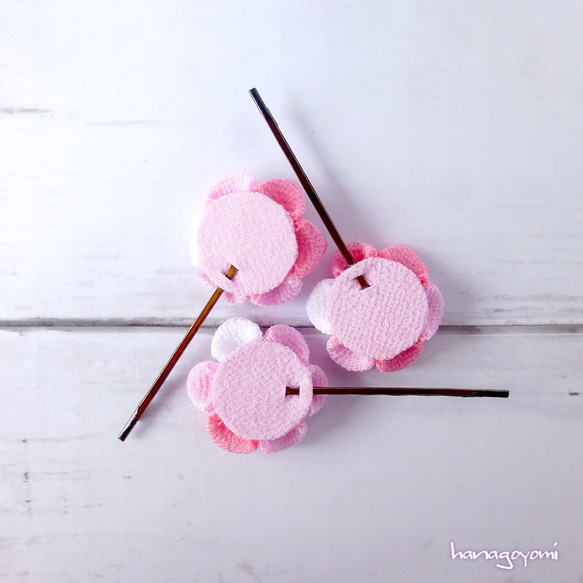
(81, 323)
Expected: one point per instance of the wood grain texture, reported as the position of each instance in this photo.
(379, 485)
(453, 128)
(455, 131)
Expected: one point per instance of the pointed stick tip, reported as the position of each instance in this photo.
(128, 427)
(147, 399)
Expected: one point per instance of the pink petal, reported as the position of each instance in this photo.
(291, 338)
(319, 379)
(287, 193)
(198, 385)
(401, 360)
(205, 278)
(288, 289)
(358, 250)
(236, 182)
(226, 439)
(407, 257)
(435, 300)
(311, 247)
(234, 299)
(289, 439)
(230, 297)
(346, 358)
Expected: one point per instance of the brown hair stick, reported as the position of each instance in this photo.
(147, 399)
(305, 182)
(400, 391)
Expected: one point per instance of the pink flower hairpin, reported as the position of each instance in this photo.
(384, 325)
(245, 392)
(381, 306)
(262, 387)
(258, 228)
(251, 243)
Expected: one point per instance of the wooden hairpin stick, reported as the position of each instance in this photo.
(400, 391)
(147, 399)
(305, 182)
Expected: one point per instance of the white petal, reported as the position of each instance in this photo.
(193, 242)
(317, 306)
(231, 334)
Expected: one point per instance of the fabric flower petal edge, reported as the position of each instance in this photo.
(232, 183)
(319, 379)
(358, 250)
(317, 306)
(287, 193)
(198, 385)
(402, 359)
(290, 337)
(435, 315)
(346, 358)
(287, 440)
(311, 247)
(226, 439)
(228, 296)
(231, 334)
(407, 257)
(288, 289)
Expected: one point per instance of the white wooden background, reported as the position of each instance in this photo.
(454, 127)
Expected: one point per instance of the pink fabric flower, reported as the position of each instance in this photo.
(384, 325)
(259, 229)
(244, 393)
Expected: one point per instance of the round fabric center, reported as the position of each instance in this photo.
(248, 390)
(384, 319)
(251, 232)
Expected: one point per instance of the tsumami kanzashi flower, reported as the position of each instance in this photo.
(385, 324)
(244, 393)
(259, 229)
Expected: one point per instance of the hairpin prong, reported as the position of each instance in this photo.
(305, 182)
(147, 399)
(402, 391)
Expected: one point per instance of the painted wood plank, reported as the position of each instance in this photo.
(379, 486)
(457, 132)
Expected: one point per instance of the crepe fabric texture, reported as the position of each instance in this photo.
(245, 391)
(259, 229)
(384, 325)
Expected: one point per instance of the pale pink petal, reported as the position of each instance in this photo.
(346, 358)
(358, 250)
(291, 338)
(228, 296)
(204, 277)
(289, 439)
(435, 300)
(317, 306)
(231, 334)
(236, 182)
(288, 289)
(287, 193)
(402, 360)
(198, 385)
(407, 257)
(226, 439)
(319, 379)
(234, 299)
(311, 247)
